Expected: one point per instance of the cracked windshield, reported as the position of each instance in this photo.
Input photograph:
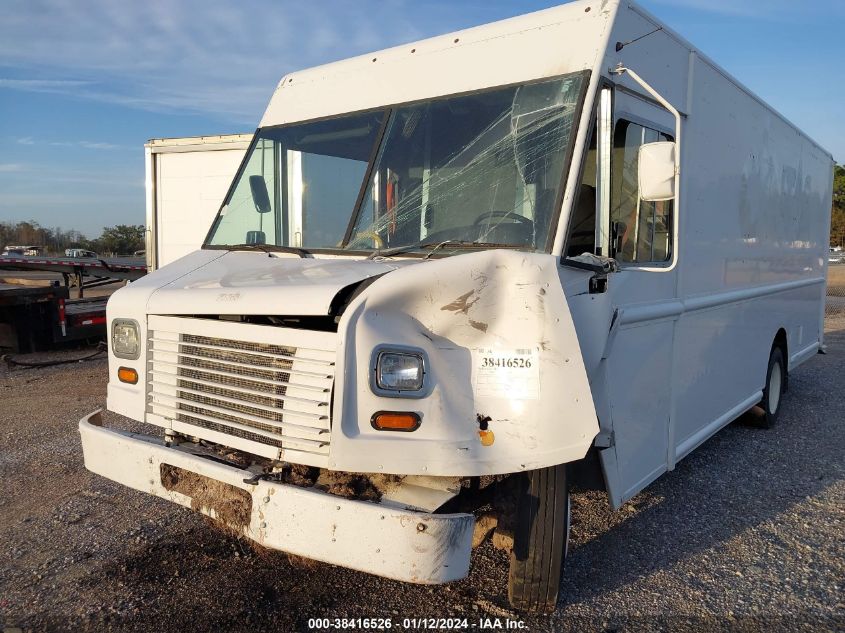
(482, 170)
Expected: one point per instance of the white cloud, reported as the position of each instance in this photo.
(195, 56)
(28, 140)
(42, 85)
(100, 145)
(28, 177)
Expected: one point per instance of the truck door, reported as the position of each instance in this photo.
(638, 235)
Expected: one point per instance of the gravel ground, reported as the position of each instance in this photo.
(746, 534)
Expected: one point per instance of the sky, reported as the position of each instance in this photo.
(85, 83)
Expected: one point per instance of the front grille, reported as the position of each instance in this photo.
(228, 430)
(276, 395)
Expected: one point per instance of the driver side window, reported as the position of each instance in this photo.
(641, 231)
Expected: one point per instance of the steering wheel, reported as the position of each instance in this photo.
(489, 215)
(369, 235)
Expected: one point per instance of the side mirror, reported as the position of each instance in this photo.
(260, 197)
(656, 169)
(256, 237)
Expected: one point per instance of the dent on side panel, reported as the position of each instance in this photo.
(596, 323)
(459, 311)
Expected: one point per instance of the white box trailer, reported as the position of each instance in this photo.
(468, 269)
(186, 181)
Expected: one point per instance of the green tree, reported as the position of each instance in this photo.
(123, 239)
(837, 220)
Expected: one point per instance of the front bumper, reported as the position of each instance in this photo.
(400, 544)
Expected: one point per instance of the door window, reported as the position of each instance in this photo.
(641, 231)
(582, 223)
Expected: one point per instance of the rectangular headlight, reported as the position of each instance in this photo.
(399, 371)
(125, 339)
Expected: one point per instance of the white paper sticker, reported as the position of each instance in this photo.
(507, 373)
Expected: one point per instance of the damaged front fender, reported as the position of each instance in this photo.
(506, 384)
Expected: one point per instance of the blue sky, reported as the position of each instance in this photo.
(84, 83)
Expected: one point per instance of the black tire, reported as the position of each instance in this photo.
(767, 412)
(541, 538)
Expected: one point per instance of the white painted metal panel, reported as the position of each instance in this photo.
(257, 283)
(753, 225)
(455, 309)
(190, 187)
(752, 233)
(639, 376)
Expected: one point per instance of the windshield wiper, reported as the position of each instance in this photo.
(435, 246)
(264, 248)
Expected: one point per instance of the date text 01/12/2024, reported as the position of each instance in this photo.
(416, 624)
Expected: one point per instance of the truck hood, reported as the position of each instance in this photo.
(257, 283)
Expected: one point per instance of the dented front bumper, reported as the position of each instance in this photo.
(400, 544)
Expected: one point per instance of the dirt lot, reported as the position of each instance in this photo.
(746, 534)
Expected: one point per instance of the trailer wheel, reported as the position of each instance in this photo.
(541, 540)
(773, 390)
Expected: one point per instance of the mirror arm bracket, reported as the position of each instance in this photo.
(622, 70)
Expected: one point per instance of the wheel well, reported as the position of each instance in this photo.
(586, 473)
(780, 341)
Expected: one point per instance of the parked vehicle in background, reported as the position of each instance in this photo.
(23, 250)
(487, 261)
(836, 255)
(186, 181)
(80, 253)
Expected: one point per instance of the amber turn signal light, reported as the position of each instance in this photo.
(395, 421)
(127, 374)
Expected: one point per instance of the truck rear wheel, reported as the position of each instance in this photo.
(773, 389)
(541, 539)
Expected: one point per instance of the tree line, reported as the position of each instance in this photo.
(123, 239)
(837, 220)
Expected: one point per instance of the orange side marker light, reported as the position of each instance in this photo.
(128, 375)
(395, 421)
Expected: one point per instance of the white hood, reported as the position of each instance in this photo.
(258, 283)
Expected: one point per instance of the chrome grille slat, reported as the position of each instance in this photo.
(240, 352)
(255, 388)
(236, 406)
(241, 393)
(299, 443)
(227, 374)
(241, 365)
(179, 332)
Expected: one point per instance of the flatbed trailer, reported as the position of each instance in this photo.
(74, 270)
(34, 318)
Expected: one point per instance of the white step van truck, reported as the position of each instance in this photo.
(186, 181)
(464, 271)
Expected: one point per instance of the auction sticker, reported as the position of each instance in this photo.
(507, 373)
